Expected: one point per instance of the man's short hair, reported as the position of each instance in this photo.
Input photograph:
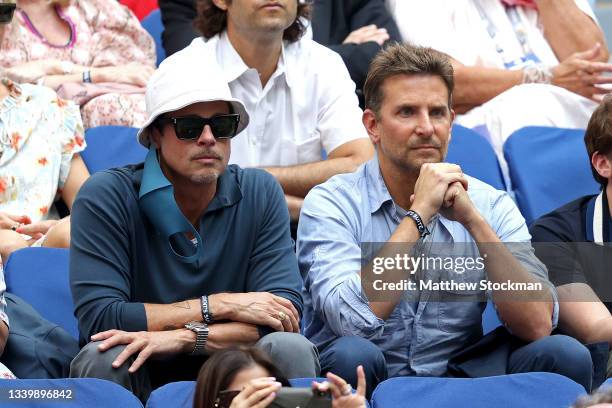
(598, 136)
(405, 59)
(211, 20)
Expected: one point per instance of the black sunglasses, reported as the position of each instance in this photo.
(191, 127)
(6, 12)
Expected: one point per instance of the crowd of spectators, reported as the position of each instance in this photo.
(327, 122)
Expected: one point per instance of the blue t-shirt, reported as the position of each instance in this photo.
(118, 261)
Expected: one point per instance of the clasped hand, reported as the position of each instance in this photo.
(442, 188)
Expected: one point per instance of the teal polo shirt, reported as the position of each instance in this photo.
(118, 261)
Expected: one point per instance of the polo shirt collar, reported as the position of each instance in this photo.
(228, 190)
(598, 220)
(234, 65)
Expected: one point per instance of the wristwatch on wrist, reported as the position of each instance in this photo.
(423, 231)
(201, 331)
(207, 315)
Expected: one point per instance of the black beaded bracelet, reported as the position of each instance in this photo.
(423, 231)
(207, 315)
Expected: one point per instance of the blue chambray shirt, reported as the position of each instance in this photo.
(418, 337)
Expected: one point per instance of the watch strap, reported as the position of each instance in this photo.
(201, 332)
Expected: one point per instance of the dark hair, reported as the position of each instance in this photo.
(598, 136)
(211, 20)
(221, 368)
(405, 59)
(602, 396)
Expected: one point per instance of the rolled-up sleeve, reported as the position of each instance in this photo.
(329, 256)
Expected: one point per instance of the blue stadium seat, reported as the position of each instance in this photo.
(475, 156)
(40, 277)
(112, 146)
(542, 390)
(490, 320)
(549, 167)
(177, 394)
(154, 26)
(606, 384)
(76, 392)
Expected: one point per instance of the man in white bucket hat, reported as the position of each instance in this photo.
(184, 255)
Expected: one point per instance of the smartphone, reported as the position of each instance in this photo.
(6, 12)
(290, 397)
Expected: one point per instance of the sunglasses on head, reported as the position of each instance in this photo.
(191, 127)
(6, 12)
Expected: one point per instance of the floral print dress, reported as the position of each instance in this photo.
(39, 134)
(104, 33)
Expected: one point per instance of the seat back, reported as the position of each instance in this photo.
(475, 156)
(542, 390)
(490, 320)
(177, 394)
(40, 276)
(549, 167)
(112, 146)
(66, 393)
(154, 26)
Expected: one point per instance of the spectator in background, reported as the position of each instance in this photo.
(298, 93)
(246, 377)
(355, 29)
(517, 63)
(141, 8)
(94, 52)
(189, 255)
(575, 243)
(40, 138)
(407, 198)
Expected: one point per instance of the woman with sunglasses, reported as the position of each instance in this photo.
(93, 52)
(245, 377)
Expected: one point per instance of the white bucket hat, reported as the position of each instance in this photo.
(180, 82)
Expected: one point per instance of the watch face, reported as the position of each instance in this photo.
(196, 326)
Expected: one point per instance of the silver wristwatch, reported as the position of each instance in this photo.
(201, 331)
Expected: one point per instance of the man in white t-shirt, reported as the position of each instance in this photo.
(298, 93)
(517, 62)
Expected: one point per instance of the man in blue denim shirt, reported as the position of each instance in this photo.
(400, 196)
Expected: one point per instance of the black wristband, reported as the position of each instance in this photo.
(207, 315)
(423, 231)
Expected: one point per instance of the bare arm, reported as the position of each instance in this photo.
(477, 85)
(76, 177)
(298, 180)
(255, 308)
(568, 29)
(588, 321)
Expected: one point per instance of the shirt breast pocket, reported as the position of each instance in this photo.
(461, 300)
(309, 148)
